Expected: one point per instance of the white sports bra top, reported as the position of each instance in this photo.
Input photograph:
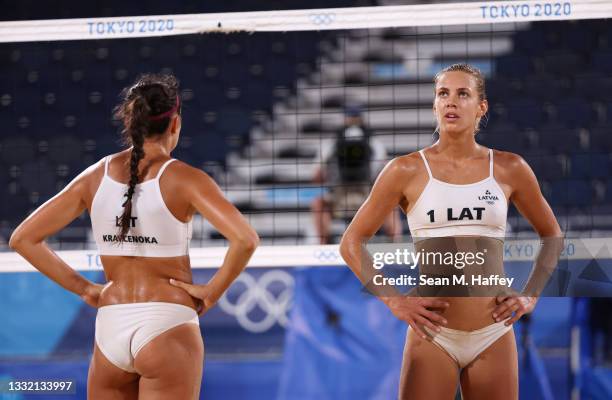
(446, 209)
(154, 231)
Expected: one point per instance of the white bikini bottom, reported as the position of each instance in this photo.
(465, 346)
(123, 329)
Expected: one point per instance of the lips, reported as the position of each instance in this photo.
(451, 115)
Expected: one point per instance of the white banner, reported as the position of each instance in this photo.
(304, 20)
(312, 255)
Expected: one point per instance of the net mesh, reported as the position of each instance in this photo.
(263, 110)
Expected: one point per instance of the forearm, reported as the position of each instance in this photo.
(235, 261)
(355, 254)
(544, 266)
(50, 264)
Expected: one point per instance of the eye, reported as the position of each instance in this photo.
(442, 93)
(464, 94)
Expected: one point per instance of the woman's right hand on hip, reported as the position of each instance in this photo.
(91, 294)
(417, 312)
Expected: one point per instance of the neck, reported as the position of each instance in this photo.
(458, 146)
(154, 149)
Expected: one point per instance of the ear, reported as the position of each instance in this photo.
(175, 124)
(483, 108)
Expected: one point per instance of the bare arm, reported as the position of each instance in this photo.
(29, 238)
(206, 197)
(385, 196)
(528, 199)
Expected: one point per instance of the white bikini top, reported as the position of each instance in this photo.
(154, 231)
(446, 209)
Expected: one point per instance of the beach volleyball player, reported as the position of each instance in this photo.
(141, 202)
(467, 340)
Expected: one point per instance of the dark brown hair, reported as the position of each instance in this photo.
(146, 110)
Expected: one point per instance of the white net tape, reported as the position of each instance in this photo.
(304, 20)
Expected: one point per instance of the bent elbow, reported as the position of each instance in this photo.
(344, 247)
(16, 241)
(250, 242)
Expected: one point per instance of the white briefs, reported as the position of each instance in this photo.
(123, 329)
(465, 346)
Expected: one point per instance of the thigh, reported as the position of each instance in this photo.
(427, 371)
(106, 381)
(494, 373)
(171, 364)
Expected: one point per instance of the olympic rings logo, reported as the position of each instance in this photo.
(256, 293)
(326, 255)
(322, 19)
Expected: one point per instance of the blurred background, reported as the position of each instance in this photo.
(266, 115)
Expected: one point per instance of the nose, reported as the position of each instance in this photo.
(450, 101)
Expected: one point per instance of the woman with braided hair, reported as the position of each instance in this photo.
(141, 202)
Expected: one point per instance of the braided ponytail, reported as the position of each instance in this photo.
(151, 96)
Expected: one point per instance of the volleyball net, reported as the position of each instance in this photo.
(266, 95)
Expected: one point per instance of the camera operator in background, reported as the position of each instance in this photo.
(348, 167)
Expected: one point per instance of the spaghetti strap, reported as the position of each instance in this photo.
(106, 161)
(491, 163)
(426, 164)
(163, 167)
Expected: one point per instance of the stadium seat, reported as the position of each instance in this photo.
(574, 193)
(574, 112)
(17, 150)
(589, 166)
(38, 176)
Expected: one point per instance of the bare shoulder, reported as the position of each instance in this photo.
(90, 175)
(187, 175)
(507, 159)
(406, 166)
(511, 167)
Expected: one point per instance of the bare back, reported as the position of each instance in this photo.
(143, 279)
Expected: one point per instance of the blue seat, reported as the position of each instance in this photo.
(530, 42)
(210, 93)
(602, 61)
(506, 140)
(601, 138)
(608, 197)
(234, 121)
(65, 149)
(26, 101)
(543, 87)
(573, 193)
(34, 56)
(589, 166)
(38, 176)
(15, 206)
(559, 140)
(579, 36)
(258, 94)
(17, 150)
(563, 62)
(548, 167)
(501, 89)
(190, 74)
(526, 112)
(575, 112)
(209, 146)
(592, 85)
(280, 71)
(514, 65)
